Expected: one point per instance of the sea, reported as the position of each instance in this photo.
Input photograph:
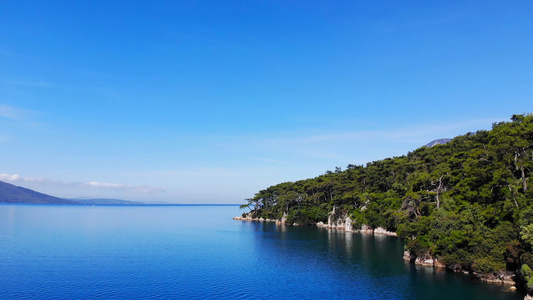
(200, 252)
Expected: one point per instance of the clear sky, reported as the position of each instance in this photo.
(211, 101)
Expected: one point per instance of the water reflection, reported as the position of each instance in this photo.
(331, 260)
(201, 253)
(7, 220)
(370, 266)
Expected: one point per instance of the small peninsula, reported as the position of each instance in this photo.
(465, 204)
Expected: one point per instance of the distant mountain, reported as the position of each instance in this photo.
(101, 201)
(10, 193)
(437, 142)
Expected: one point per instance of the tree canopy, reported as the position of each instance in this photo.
(468, 202)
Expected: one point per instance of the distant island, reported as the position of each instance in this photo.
(465, 204)
(10, 193)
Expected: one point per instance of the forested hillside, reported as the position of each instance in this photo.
(468, 202)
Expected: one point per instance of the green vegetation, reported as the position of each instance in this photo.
(467, 202)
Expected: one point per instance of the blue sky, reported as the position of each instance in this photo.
(211, 101)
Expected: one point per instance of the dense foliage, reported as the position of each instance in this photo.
(468, 202)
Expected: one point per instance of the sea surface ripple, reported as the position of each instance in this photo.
(199, 252)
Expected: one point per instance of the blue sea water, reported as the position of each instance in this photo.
(199, 252)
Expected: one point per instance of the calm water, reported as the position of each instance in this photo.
(199, 252)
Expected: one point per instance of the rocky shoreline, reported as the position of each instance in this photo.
(345, 224)
(504, 278)
(426, 260)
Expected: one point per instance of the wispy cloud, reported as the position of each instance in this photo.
(137, 189)
(341, 145)
(406, 134)
(14, 113)
(34, 84)
(9, 177)
(92, 184)
(205, 173)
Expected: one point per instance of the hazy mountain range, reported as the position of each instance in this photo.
(10, 193)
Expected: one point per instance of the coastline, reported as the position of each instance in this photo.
(425, 260)
(344, 225)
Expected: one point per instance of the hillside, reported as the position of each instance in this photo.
(15, 194)
(467, 203)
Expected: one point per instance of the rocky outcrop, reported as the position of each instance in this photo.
(506, 278)
(383, 231)
(423, 260)
(244, 217)
(366, 229)
(337, 221)
(376, 231)
(344, 222)
(283, 219)
(248, 217)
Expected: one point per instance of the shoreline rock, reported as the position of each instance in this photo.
(424, 260)
(383, 231)
(503, 278)
(340, 224)
(247, 218)
(250, 219)
(345, 224)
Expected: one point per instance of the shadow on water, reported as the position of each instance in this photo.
(362, 266)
